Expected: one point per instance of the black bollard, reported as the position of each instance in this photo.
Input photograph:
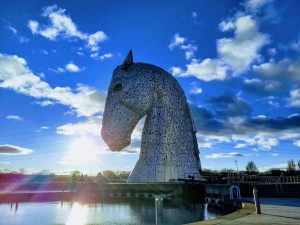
(256, 201)
(16, 206)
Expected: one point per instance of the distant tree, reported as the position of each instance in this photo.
(45, 172)
(291, 166)
(299, 165)
(207, 171)
(76, 173)
(100, 177)
(109, 174)
(251, 167)
(226, 170)
(76, 176)
(123, 176)
(22, 170)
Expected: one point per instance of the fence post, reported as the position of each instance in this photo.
(158, 209)
(256, 201)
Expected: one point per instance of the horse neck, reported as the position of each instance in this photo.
(168, 123)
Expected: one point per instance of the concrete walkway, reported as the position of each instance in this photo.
(274, 211)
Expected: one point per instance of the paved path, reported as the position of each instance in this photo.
(274, 211)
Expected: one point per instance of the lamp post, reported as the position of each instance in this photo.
(237, 170)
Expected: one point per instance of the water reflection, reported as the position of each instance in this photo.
(159, 209)
(110, 211)
(77, 215)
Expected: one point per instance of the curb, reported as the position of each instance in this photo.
(247, 209)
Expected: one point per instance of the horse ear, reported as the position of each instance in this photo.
(128, 61)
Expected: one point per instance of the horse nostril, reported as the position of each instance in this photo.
(106, 134)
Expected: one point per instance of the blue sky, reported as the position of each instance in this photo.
(237, 61)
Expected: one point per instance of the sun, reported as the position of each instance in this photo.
(81, 151)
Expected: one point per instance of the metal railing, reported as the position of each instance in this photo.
(245, 178)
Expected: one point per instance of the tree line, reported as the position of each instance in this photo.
(292, 168)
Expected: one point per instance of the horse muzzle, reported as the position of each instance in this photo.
(114, 141)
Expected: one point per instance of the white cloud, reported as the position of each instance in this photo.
(33, 26)
(43, 51)
(285, 68)
(205, 144)
(14, 150)
(235, 54)
(272, 51)
(240, 146)
(255, 5)
(14, 117)
(296, 45)
(297, 143)
(12, 29)
(207, 70)
(189, 50)
(61, 25)
(45, 128)
(262, 141)
(245, 138)
(290, 135)
(176, 41)
(23, 39)
(71, 67)
(181, 42)
(294, 99)
(293, 115)
(266, 142)
(209, 140)
(176, 70)
(224, 155)
(194, 15)
(260, 117)
(15, 75)
(44, 103)
(101, 57)
(275, 166)
(106, 56)
(226, 25)
(58, 70)
(95, 39)
(195, 18)
(215, 138)
(196, 90)
(243, 49)
(263, 85)
(91, 126)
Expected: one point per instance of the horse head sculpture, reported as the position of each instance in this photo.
(169, 149)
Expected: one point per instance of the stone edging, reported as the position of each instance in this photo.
(247, 209)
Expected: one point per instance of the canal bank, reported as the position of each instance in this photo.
(274, 211)
(92, 192)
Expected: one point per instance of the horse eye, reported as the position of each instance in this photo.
(117, 88)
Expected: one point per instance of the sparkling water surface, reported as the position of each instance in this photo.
(141, 212)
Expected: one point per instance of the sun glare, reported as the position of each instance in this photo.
(81, 151)
(78, 215)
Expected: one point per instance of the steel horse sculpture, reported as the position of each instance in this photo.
(169, 149)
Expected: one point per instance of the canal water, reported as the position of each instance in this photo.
(124, 212)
